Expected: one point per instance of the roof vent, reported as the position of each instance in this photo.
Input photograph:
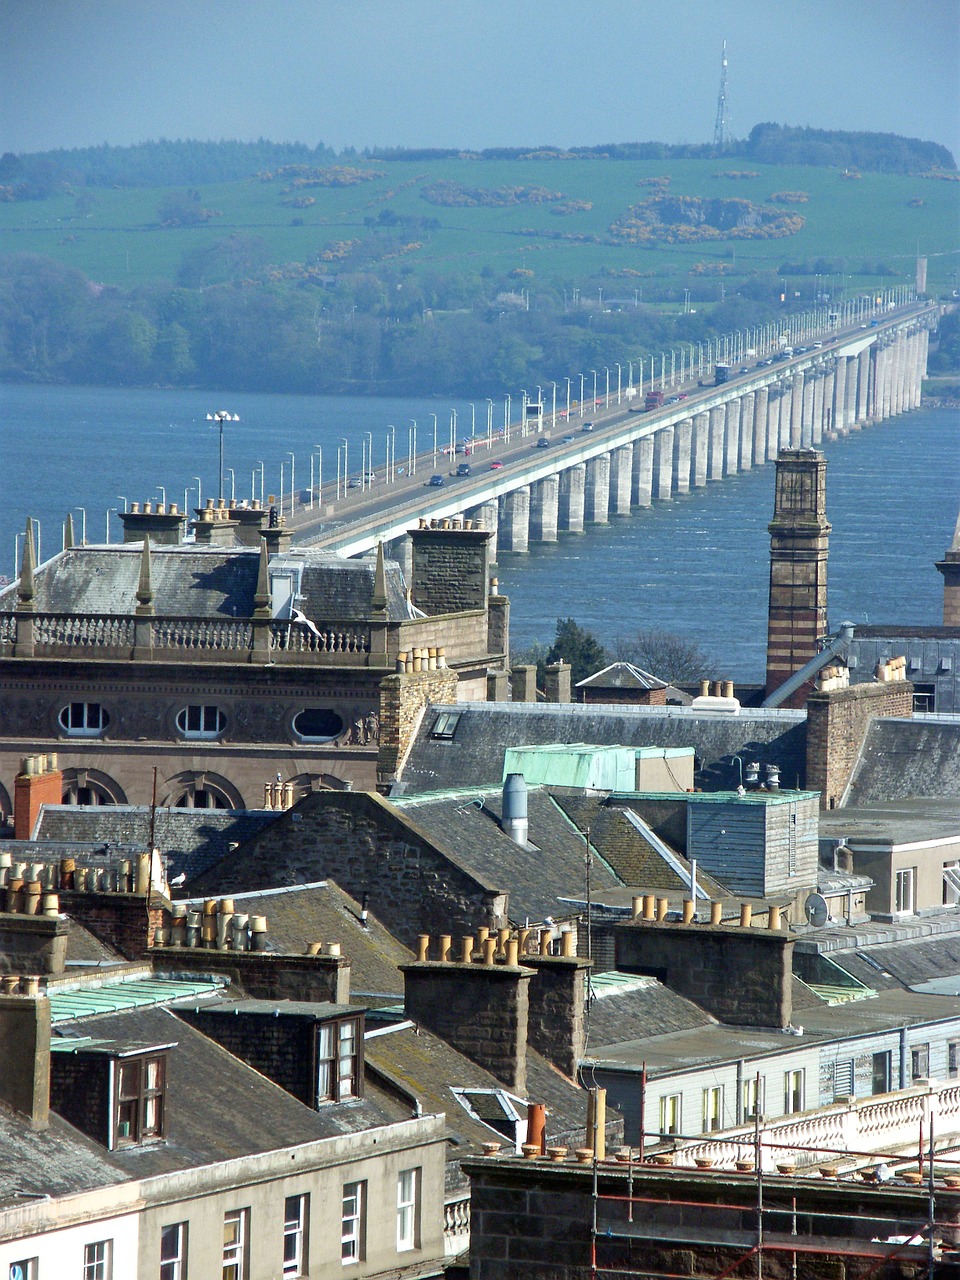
(514, 820)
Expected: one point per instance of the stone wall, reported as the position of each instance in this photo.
(265, 975)
(837, 723)
(555, 1022)
(403, 697)
(80, 1092)
(451, 569)
(32, 944)
(741, 976)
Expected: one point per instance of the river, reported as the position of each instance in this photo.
(695, 566)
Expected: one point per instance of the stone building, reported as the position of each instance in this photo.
(195, 673)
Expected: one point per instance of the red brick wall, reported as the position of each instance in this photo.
(837, 723)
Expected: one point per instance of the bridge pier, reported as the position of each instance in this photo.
(807, 410)
(701, 449)
(715, 458)
(544, 504)
(487, 516)
(621, 469)
(746, 431)
(829, 405)
(864, 366)
(683, 439)
(761, 409)
(596, 499)
(901, 374)
(642, 494)
(570, 504)
(401, 550)
(663, 463)
(816, 412)
(851, 377)
(515, 520)
(796, 411)
(731, 456)
(918, 367)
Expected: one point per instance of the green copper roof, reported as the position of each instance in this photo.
(112, 997)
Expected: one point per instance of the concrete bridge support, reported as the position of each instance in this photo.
(830, 404)
(701, 449)
(761, 403)
(515, 520)
(918, 368)
(663, 463)
(864, 367)
(851, 378)
(817, 412)
(621, 480)
(544, 505)
(715, 458)
(596, 499)
(682, 445)
(773, 421)
(796, 411)
(786, 410)
(746, 431)
(571, 498)
(902, 361)
(643, 472)
(731, 438)
(487, 516)
(807, 410)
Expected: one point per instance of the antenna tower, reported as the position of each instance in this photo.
(720, 128)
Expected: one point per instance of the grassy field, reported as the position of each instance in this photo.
(118, 240)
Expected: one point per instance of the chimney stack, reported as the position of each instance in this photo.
(25, 1054)
(949, 566)
(39, 782)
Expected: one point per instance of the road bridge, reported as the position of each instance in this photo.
(840, 380)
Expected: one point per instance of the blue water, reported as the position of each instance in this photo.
(696, 566)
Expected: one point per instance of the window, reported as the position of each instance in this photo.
(236, 1229)
(98, 1260)
(843, 1078)
(919, 1062)
(906, 880)
(792, 1091)
(83, 719)
(138, 1099)
(752, 1098)
(408, 1210)
(880, 1075)
(352, 1224)
(951, 884)
(445, 725)
(173, 1252)
(24, 1270)
(670, 1113)
(953, 1059)
(338, 1061)
(317, 724)
(201, 721)
(295, 1212)
(712, 1108)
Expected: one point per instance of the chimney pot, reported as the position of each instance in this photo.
(689, 910)
(445, 947)
(423, 947)
(746, 914)
(466, 949)
(513, 952)
(489, 950)
(663, 906)
(716, 913)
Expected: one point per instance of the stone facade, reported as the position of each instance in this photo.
(451, 568)
(403, 699)
(555, 1021)
(837, 723)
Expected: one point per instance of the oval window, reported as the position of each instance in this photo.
(317, 724)
(201, 721)
(83, 719)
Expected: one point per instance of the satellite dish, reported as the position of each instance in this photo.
(816, 910)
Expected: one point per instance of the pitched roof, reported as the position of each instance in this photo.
(56, 1161)
(474, 755)
(621, 675)
(627, 1007)
(903, 758)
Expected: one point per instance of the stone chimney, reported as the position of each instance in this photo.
(249, 520)
(555, 1020)
(949, 566)
(523, 684)
(25, 1053)
(161, 524)
(215, 526)
(39, 782)
(556, 682)
(403, 699)
(451, 566)
(799, 537)
(275, 535)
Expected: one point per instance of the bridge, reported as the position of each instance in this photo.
(829, 373)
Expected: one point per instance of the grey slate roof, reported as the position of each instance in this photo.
(57, 1161)
(648, 1010)
(905, 964)
(621, 675)
(192, 839)
(474, 755)
(900, 758)
(203, 582)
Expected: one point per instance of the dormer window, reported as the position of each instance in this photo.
(83, 719)
(339, 1045)
(138, 1101)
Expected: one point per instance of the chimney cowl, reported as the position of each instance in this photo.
(514, 820)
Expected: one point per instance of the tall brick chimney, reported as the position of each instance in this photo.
(799, 536)
(949, 566)
(451, 567)
(38, 782)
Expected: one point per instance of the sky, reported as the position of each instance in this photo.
(448, 73)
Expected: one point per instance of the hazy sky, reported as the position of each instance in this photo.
(450, 73)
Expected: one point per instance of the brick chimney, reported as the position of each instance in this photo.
(39, 782)
(25, 1054)
(451, 566)
(799, 537)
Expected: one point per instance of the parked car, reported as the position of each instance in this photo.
(463, 469)
(436, 482)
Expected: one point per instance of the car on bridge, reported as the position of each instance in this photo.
(463, 469)
(568, 439)
(587, 426)
(542, 443)
(496, 465)
(436, 482)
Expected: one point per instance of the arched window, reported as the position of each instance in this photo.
(89, 787)
(199, 721)
(317, 724)
(201, 790)
(83, 719)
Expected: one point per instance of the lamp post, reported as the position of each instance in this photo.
(594, 372)
(346, 469)
(412, 468)
(523, 414)
(220, 417)
(199, 485)
(453, 434)
(629, 375)
(83, 529)
(473, 421)
(553, 411)
(369, 470)
(434, 417)
(619, 380)
(489, 423)
(233, 484)
(507, 413)
(163, 495)
(189, 489)
(262, 484)
(293, 486)
(282, 465)
(122, 498)
(114, 510)
(581, 395)
(391, 452)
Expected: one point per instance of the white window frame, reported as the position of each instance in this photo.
(794, 1088)
(408, 1209)
(338, 1064)
(752, 1097)
(905, 889)
(210, 721)
(98, 1260)
(712, 1108)
(353, 1204)
(671, 1114)
(24, 1269)
(173, 1265)
(235, 1254)
(86, 724)
(951, 883)
(295, 1213)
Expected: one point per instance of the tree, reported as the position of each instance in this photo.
(665, 655)
(578, 647)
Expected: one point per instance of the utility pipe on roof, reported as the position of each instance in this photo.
(810, 669)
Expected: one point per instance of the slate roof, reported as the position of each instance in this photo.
(192, 839)
(474, 755)
(621, 675)
(323, 912)
(536, 877)
(901, 758)
(904, 964)
(648, 1009)
(56, 1161)
(217, 1108)
(203, 582)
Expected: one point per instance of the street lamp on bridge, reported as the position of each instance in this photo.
(220, 417)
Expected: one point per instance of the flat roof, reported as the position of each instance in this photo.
(896, 822)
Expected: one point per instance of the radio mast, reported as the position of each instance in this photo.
(720, 129)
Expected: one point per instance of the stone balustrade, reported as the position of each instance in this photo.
(456, 1226)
